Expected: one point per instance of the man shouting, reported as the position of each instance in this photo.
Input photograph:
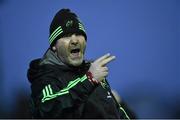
(63, 84)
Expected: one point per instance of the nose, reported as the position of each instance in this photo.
(74, 40)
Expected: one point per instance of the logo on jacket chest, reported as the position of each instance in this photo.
(109, 95)
(105, 87)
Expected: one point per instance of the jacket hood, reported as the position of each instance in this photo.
(51, 58)
(38, 67)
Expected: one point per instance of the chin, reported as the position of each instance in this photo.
(76, 63)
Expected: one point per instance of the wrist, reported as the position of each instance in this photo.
(91, 78)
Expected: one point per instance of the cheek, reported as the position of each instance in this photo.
(62, 51)
(84, 45)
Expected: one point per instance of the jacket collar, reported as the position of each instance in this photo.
(51, 58)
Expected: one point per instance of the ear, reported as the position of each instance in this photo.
(54, 48)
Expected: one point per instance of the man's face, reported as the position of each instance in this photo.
(70, 49)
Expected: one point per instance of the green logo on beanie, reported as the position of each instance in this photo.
(69, 23)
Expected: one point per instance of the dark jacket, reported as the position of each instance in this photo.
(60, 91)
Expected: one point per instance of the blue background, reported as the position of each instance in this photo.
(143, 35)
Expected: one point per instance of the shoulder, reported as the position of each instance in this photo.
(41, 76)
(41, 73)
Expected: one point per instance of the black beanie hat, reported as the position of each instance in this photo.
(65, 22)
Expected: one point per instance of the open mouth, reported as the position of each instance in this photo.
(74, 51)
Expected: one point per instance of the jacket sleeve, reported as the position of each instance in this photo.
(61, 100)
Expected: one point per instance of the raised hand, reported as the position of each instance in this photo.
(98, 67)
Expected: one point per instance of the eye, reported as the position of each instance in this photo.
(77, 34)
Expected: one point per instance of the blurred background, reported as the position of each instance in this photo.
(143, 35)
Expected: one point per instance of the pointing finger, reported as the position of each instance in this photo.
(107, 60)
(103, 57)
